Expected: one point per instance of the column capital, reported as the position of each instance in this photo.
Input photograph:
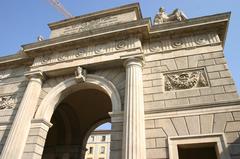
(133, 61)
(35, 74)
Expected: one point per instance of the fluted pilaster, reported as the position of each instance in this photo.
(15, 143)
(134, 129)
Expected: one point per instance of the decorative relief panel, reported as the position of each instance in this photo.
(95, 24)
(185, 80)
(179, 43)
(94, 50)
(5, 74)
(7, 102)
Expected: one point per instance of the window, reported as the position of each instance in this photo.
(210, 146)
(92, 138)
(103, 138)
(102, 150)
(90, 150)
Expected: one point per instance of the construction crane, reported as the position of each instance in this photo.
(60, 8)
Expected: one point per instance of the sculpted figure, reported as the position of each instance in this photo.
(80, 74)
(162, 17)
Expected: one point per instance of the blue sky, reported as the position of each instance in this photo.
(23, 21)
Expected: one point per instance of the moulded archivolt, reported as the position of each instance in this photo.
(185, 80)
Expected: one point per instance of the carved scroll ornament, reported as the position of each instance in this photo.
(7, 102)
(185, 80)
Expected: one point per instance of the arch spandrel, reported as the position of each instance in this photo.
(68, 86)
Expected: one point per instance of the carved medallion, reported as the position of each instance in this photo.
(121, 44)
(80, 52)
(177, 43)
(7, 102)
(62, 57)
(185, 80)
(99, 49)
(201, 40)
(45, 59)
(155, 47)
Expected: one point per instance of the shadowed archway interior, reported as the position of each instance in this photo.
(72, 120)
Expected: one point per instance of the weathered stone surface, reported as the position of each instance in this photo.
(180, 125)
(154, 105)
(176, 102)
(153, 133)
(182, 62)
(157, 153)
(150, 143)
(232, 126)
(220, 120)
(149, 124)
(232, 137)
(167, 126)
(170, 63)
(161, 142)
(236, 115)
(193, 124)
(135, 62)
(206, 122)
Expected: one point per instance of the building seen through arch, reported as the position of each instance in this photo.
(163, 84)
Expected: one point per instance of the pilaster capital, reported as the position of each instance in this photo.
(133, 61)
(35, 74)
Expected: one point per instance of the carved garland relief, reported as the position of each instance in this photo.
(185, 80)
(7, 102)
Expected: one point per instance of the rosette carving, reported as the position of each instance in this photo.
(201, 40)
(177, 43)
(45, 59)
(80, 52)
(62, 57)
(155, 46)
(121, 44)
(185, 80)
(7, 102)
(99, 49)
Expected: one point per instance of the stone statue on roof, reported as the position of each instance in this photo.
(162, 17)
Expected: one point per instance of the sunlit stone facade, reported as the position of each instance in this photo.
(164, 86)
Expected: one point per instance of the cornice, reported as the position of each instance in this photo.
(15, 59)
(130, 28)
(217, 22)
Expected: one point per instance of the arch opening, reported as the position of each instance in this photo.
(72, 121)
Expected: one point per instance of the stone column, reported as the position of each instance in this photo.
(134, 129)
(18, 134)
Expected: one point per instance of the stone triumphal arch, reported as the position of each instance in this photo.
(164, 86)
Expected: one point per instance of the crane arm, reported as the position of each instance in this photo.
(60, 8)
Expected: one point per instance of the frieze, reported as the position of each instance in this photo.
(7, 102)
(185, 80)
(83, 52)
(167, 45)
(5, 74)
